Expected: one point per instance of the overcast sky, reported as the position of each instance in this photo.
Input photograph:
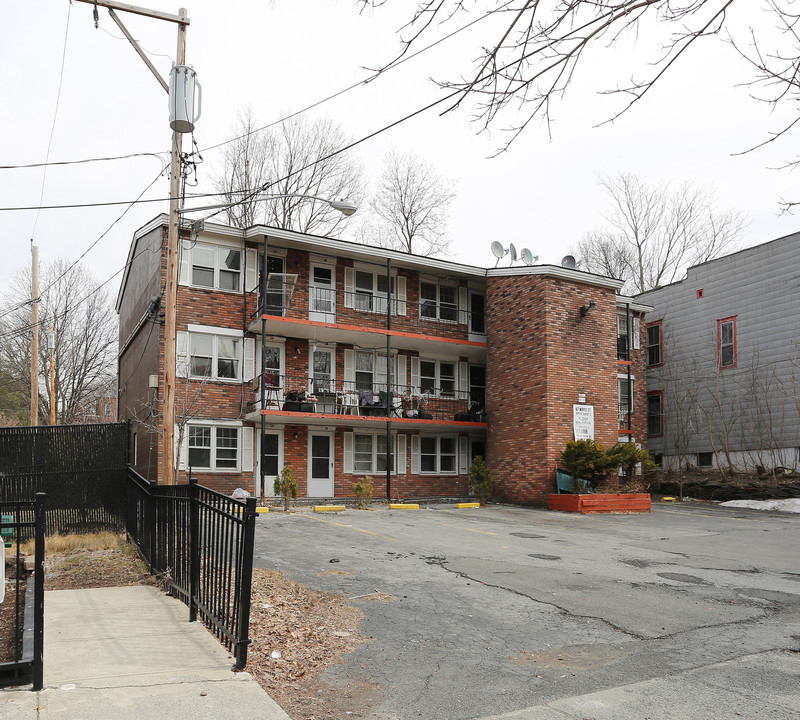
(542, 194)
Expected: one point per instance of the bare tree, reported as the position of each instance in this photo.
(411, 207)
(535, 48)
(654, 233)
(85, 333)
(297, 157)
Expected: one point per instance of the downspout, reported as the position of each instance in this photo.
(262, 291)
(388, 380)
(629, 325)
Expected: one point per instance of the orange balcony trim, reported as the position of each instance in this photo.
(361, 328)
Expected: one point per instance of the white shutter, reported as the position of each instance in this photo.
(637, 332)
(349, 370)
(182, 452)
(401, 295)
(401, 454)
(348, 453)
(349, 286)
(184, 268)
(251, 273)
(463, 455)
(400, 377)
(463, 380)
(415, 375)
(462, 305)
(415, 454)
(249, 363)
(247, 449)
(182, 353)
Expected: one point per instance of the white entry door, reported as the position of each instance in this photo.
(320, 464)
(322, 294)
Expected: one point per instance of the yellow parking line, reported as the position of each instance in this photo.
(349, 527)
(458, 527)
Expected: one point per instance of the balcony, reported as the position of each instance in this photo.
(299, 399)
(329, 315)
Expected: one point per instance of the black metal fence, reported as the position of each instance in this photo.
(80, 467)
(22, 658)
(200, 544)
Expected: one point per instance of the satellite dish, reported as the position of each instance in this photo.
(528, 257)
(513, 252)
(568, 262)
(498, 250)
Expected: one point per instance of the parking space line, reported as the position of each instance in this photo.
(458, 527)
(349, 527)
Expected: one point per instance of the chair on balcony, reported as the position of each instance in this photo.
(347, 402)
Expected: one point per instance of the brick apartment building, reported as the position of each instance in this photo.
(328, 352)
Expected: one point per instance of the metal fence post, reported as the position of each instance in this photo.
(38, 595)
(194, 546)
(246, 580)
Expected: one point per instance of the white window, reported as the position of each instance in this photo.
(437, 455)
(213, 266)
(322, 366)
(370, 371)
(214, 356)
(369, 453)
(438, 302)
(437, 377)
(213, 447)
(625, 392)
(371, 291)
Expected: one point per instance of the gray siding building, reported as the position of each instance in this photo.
(723, 357)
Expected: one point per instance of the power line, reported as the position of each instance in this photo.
(55, 116)
(375, 74)
(86, 160)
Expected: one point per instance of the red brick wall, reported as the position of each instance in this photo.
(541, 355)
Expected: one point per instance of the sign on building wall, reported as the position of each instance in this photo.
(583, 422)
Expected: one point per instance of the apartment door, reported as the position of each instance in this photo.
(269, 453)
(320, 464)
(322, 294)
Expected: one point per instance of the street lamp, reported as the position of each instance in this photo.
(343, 206)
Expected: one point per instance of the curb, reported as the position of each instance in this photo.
(468, 505)
(403, 506)
(330, 508)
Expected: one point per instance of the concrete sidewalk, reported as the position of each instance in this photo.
(129, 653)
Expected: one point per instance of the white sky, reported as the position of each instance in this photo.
(543, 194)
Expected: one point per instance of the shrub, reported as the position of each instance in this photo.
(480, 480)
(627, 457)
(587, 460)
(286, 485)
(363, 492)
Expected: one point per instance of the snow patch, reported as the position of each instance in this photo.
(791, 505)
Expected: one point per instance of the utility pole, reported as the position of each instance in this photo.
(51, 346)
(35, 335)
(171, 292)
(171, 289)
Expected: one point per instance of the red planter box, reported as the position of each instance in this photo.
(600, 502)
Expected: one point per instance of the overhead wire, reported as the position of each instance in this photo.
(84, 161)
(55, 116)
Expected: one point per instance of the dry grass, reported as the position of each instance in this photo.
(65, 544)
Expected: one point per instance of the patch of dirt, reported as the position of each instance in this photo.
(311, 631)
(8, 629)
(81, 569)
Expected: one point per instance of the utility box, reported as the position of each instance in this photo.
(184, 90)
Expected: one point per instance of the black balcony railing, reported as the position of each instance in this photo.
(301, 393)
(373, 310)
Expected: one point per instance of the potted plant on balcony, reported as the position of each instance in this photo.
(590, 463)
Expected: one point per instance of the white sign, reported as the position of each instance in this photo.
(583, 422)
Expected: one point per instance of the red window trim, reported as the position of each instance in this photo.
(660, 342)
(731, 319)
(660, 393)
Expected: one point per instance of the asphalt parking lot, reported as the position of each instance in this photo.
(691, 611)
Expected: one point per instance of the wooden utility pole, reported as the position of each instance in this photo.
(171, 292)
(35, 334)
(51, 346)
(171, 289)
